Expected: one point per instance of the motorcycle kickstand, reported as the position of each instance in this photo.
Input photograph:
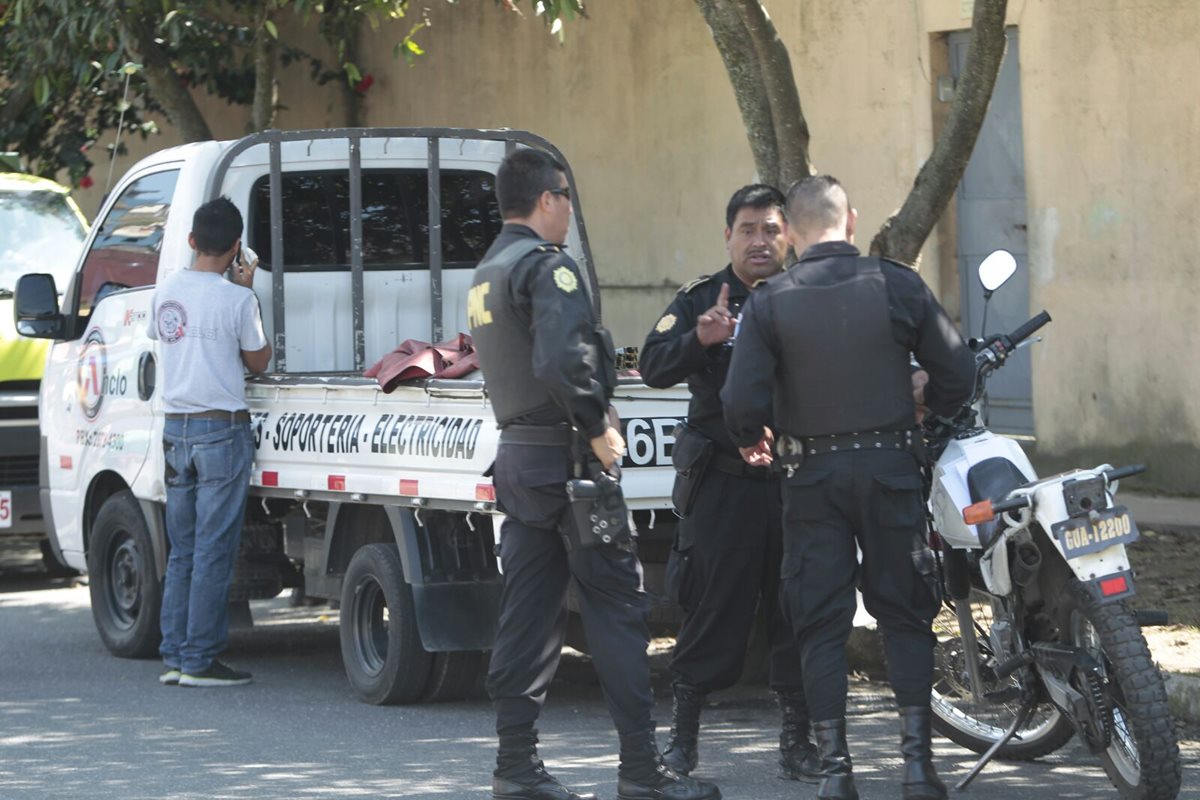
(1022, 717)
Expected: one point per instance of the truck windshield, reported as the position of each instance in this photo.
(38, 233)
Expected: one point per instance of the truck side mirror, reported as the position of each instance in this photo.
(35, 308)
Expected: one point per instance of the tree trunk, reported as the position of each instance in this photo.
(266, 89)
(902, 236)
(749, 88)
(779, 85)
(165, 85)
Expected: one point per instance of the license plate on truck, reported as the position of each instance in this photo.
(1079, 536)
(6, 510)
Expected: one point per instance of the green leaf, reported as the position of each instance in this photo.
(41, 90)
(170, 16)
(414, 48)
(271, 29)
(352, 72)
(131, 68)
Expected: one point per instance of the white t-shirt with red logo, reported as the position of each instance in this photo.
(203, 322)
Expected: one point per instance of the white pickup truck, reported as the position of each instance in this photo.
(376, 501)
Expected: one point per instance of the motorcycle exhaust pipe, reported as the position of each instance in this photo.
(1027, 560)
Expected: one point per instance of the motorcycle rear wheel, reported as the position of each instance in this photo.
(977, 726)
(1142, 759)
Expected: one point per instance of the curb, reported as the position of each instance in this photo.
(1183, 696)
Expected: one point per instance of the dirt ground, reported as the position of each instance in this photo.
(1167, 569)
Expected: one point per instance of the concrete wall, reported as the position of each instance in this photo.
(638, 100)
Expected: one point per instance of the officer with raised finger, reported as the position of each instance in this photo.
(725, 561)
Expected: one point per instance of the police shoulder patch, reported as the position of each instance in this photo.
(666, 323)
(692, 285)
(565, 279)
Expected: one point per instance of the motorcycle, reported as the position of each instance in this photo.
(1036, 640)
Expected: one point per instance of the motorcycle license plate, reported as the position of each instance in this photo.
(1081, 535)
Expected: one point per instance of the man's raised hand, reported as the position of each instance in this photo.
(716, 325)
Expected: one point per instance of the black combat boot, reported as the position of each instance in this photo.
(798, 759)
(643, 775)
(682, 753)
(520, 775)
(837, 778)
(921, 780)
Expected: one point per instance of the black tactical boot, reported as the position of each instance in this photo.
(682, 753)
(520, 775)
(798, 759)
(643, 775)
(921, 780)
(837, 779)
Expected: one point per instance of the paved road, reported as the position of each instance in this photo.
(78, 723)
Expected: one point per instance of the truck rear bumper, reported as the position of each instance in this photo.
(19, 446)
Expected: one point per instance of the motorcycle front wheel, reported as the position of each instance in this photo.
(977, 726)
(1141, 753)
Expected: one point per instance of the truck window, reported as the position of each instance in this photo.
(124, 254)
(395, 219)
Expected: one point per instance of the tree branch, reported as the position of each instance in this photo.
(779, 85)
(733, 41)
(165, 86)
(901, 237)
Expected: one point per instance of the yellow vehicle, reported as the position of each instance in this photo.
(41, 230)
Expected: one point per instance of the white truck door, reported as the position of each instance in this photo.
(95, 411)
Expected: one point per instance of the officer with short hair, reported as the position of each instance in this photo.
(725, 561)
(823, 359)
(549, 367)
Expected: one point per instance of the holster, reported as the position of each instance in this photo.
(690, 456)
(599, 512)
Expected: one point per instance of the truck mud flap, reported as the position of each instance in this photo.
(457, 616)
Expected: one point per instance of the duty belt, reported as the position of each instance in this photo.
(561, 435)
(792, 450)
(739, 468)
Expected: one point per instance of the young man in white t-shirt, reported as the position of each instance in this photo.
(208, 329)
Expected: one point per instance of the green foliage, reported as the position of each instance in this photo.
(66, 64)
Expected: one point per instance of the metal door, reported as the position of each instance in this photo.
(991, 215)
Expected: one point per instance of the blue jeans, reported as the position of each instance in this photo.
(208, 477)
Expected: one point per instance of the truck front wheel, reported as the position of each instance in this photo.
(124, 584)
(381, 646)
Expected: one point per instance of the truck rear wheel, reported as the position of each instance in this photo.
(381, 646)
(124, 583)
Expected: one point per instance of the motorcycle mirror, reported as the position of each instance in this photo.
(996, 269)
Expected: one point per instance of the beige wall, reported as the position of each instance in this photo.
(638, 101)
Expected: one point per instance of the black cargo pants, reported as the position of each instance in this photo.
(530, 490)
(875, 498)
(725, 565)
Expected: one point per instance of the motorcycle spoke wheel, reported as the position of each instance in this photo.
(976, 726)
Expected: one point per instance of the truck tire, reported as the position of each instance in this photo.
(381, 646)
(125, 587)
(457, 676)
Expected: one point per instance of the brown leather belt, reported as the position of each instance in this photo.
(231, 416)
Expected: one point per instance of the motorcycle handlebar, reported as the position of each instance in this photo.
(1029, 328)
(1117, 473)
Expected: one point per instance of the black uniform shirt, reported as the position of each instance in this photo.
(547, 291)
(672, 353)
(867, 347)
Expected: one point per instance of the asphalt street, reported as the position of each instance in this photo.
(76, 722)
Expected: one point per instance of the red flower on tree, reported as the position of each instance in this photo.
(86, 182)
(367, 82)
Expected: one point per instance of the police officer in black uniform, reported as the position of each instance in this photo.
(725, 562)
(822, 358)
(548, 365)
